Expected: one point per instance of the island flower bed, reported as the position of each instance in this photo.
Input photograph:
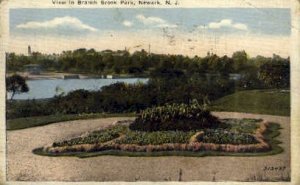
(134, 141)
(173, 127)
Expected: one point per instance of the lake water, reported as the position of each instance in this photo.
(39, 89)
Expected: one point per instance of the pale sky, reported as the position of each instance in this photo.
(187, 31)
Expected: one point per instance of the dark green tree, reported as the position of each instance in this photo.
(240, 59)
(275, 74)
(16, 84)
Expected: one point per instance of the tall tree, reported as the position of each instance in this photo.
(275, 74)
(240, 59)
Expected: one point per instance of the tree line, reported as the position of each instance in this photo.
(274, 71)
(172, 79)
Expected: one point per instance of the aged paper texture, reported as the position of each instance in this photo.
(149, 91)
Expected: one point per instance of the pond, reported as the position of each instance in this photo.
(48, 88)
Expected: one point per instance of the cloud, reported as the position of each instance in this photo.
(127, 23)
(150, 20)
(240, 26)
(155, 22)
(58, 22)
(227, 23)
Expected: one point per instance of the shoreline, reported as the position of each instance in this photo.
(58, 75)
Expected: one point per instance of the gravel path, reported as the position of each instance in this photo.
(23, 165)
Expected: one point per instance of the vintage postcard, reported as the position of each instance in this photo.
(165, 91)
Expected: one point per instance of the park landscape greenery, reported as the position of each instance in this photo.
(172, 79)
(205, 135)
(172, 109)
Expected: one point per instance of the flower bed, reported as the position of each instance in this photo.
(220, 136)
(95, 137)
(124, 139)
(155, 138)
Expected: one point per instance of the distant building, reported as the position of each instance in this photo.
(71, 76)
(33, 69)
(109, 76)
(29, 51)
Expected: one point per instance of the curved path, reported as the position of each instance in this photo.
(23, 165)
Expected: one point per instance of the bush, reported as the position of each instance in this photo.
(27, 108)
(175, 117)
(74, 102)
(170, 86)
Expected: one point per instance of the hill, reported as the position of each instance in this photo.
(273, 102)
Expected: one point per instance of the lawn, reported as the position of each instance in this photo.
(272, 102)
(22, 123)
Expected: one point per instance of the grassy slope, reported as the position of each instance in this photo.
(273, 102)
(22, 123)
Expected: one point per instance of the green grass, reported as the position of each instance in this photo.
(272, 102)
(270, 136)
(22, 123)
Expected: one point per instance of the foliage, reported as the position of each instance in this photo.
(27, 108)
(244, 125)
(121, 97)
(219, 136)
(175, 117)
(270, 72)
(100, 136)
(270, 135)
(116, 98)
(172, 79)
(16, 84)
(120, 137)
(129, 137)
(73, 103)
(275, 73)
(250, 78)
(240, 59)
(156, 138)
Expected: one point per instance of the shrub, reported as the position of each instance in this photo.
(27, 108)
(175, 117)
